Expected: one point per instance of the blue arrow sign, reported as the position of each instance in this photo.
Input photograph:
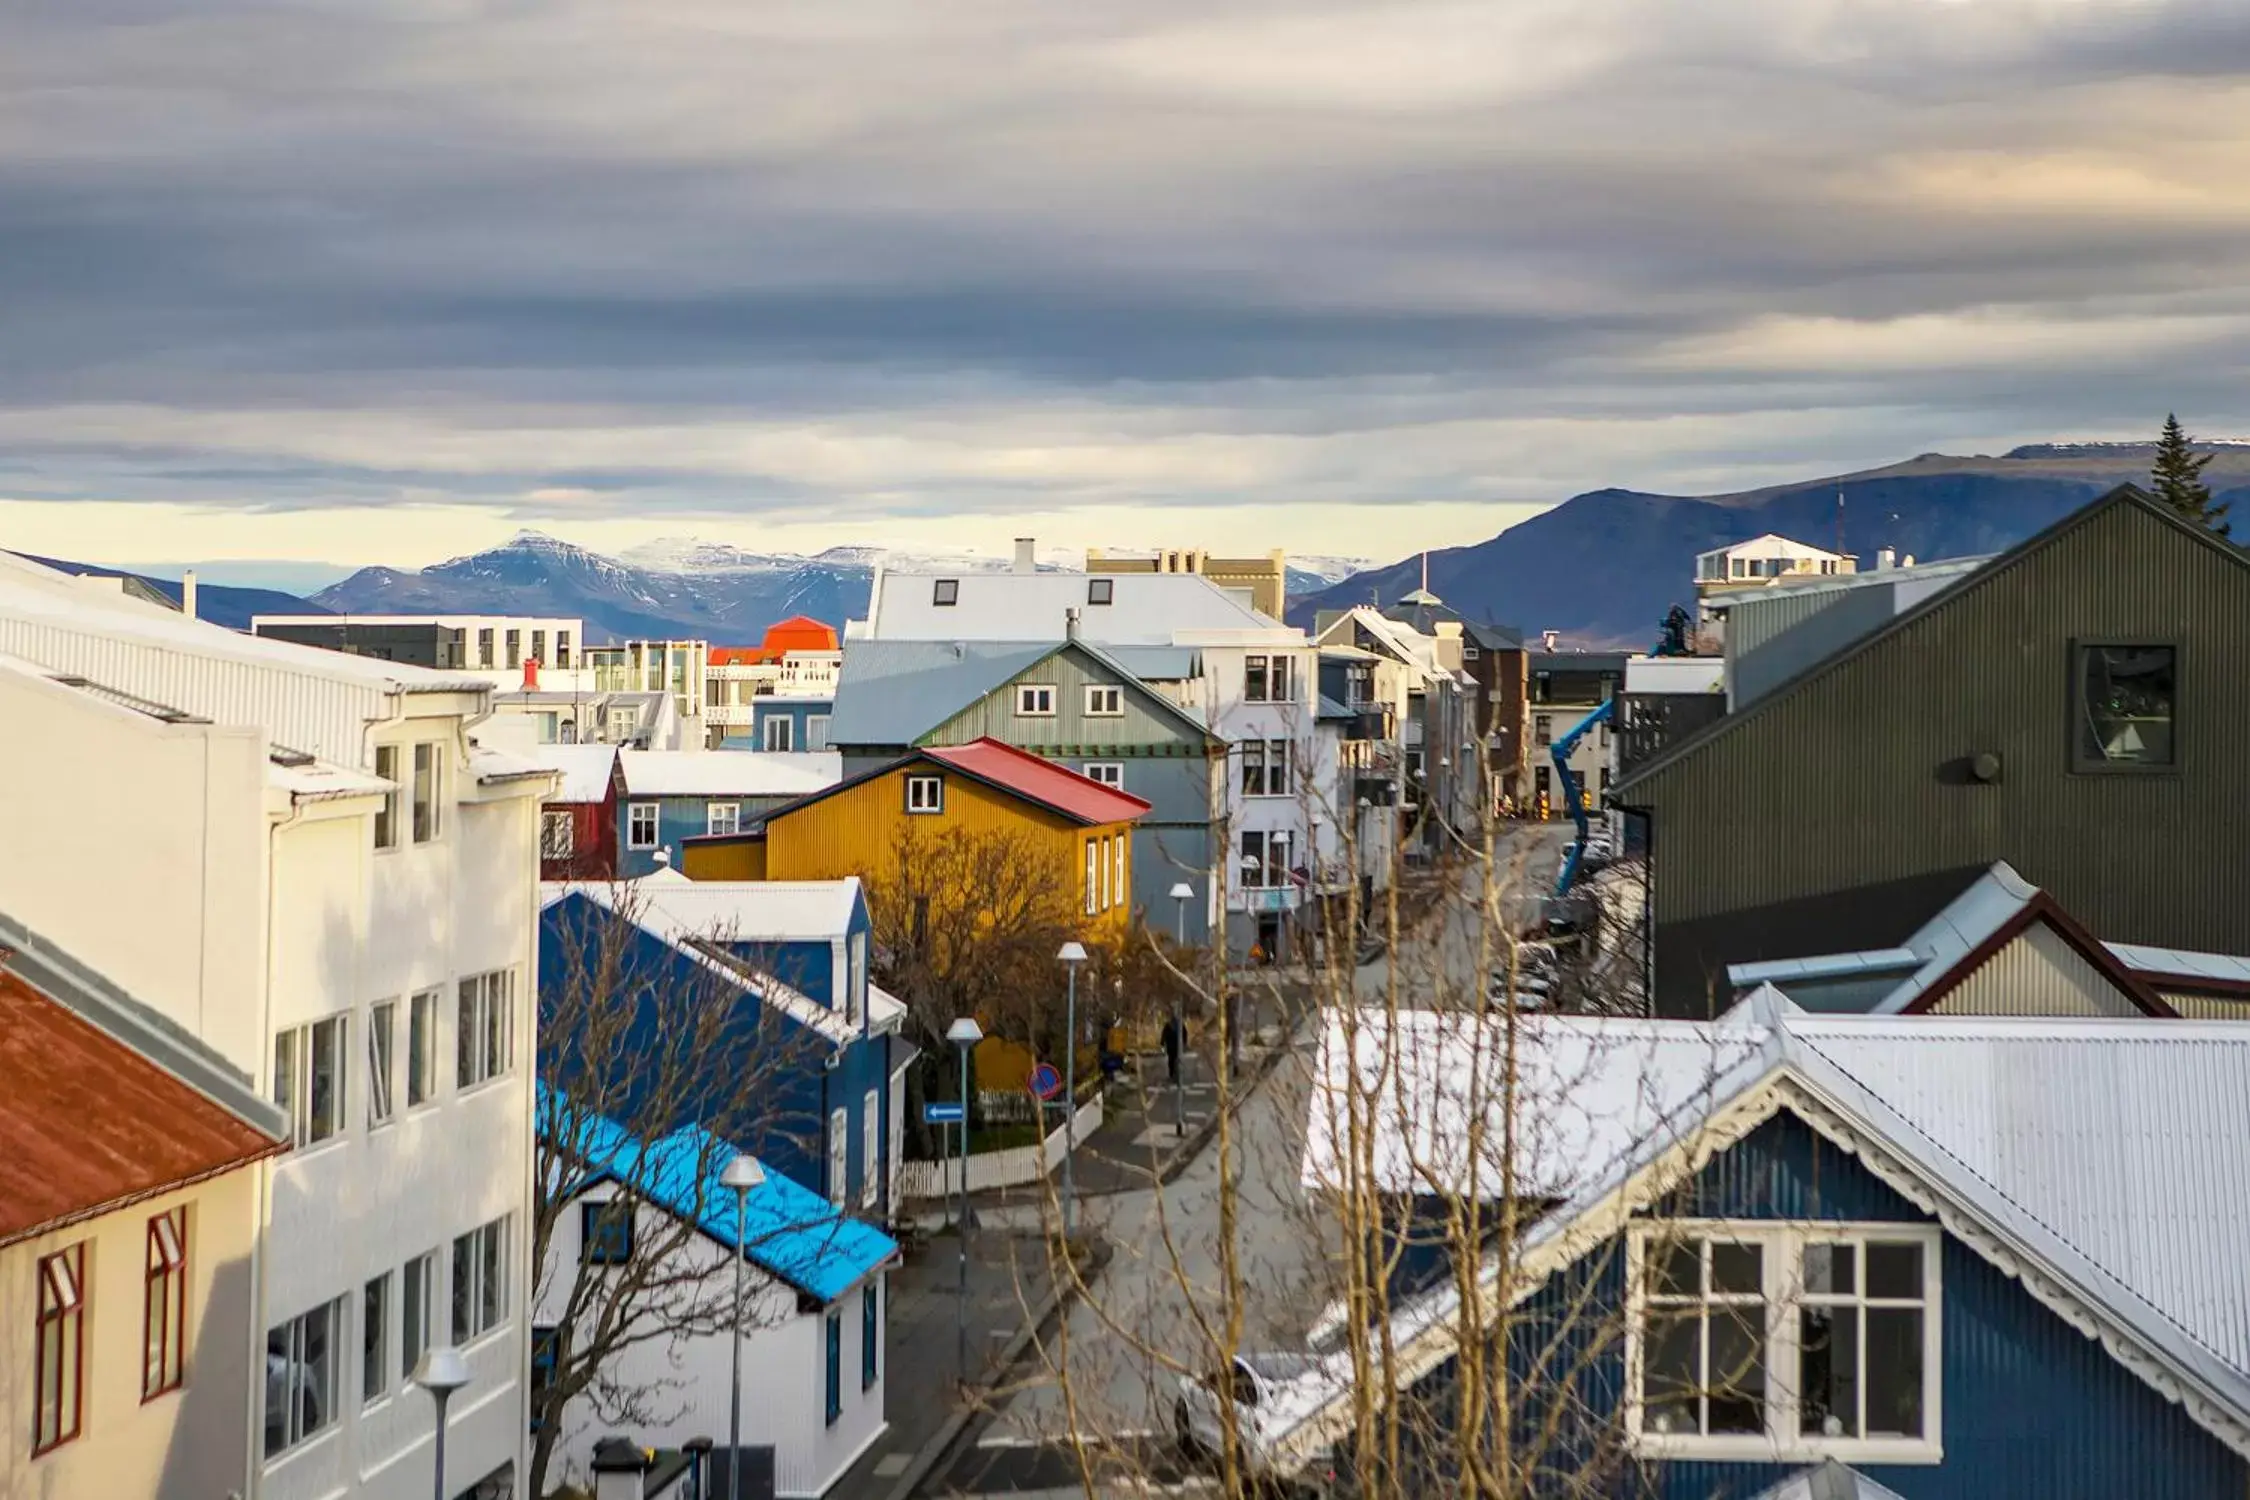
(936, 1113)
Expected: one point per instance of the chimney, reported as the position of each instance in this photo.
(1027, 560)
(187, 593)
(1885, 560)
(1909, 560)
(1550, 637)
(1070, 624)
(530, 674)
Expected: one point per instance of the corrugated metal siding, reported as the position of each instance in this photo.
(2209, 1007)
(318, 715)
(1856, 776)
(2030, 1406)
(2038, 974)
(1770, 641)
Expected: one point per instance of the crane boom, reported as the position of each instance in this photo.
(1559, 751)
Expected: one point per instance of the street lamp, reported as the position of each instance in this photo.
(441, 1372)
(1182, 894)
(741, 1173)
(1072, 955)
(964, 1034)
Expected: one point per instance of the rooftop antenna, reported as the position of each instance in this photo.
(1425, 571)
(1839, 519)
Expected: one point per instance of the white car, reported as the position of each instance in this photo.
(1252, 1383)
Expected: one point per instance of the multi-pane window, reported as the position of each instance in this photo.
(382, 1044)
(1265, 768)
(605, 1232)
(1265, 859)
(421, 1048)
(308, 1079)
(58, 1367)
(480, 1281)
(484, 647)
(925, 794)
(417, 1304)
(2125, 702)
(1093, 878)
(1104, 701)
(562, 649)
(539, 646)
(426, 819)
(386, 815)
(945, 592)
(375, 1338)
(640, 825)
(164, 1305)
(870, 1149)
(816, 731)
(1785, 1340)
(483, 1039)
(1266, 679)
(1117, 868)
(780, 733)
(870, 1332)
(1108, 772)
(833, 1364)
(724, 817)
(839, 1157)
(515, 649)
(1035, 700)
(301, 1379)
(558, 834)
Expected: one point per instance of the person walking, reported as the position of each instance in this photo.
(1172, 1041)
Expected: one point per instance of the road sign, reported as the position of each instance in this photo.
(1045, 1081)
(937, 1113)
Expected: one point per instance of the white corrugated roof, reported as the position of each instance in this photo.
(585, 769)
(750, 911)
(730, 773)
(2113, 1155)
(1147, 609)
(2181, 963)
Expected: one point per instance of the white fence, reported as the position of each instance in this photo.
(992, 1169)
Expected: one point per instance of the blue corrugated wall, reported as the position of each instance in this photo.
(2032, 1408)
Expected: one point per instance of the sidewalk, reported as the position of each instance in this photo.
(1010, 1286)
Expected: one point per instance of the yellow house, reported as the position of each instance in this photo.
(129, 1211)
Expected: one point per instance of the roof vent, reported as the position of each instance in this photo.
(1985, 766)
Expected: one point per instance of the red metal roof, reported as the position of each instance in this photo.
(1041, 781)
(87, 1124)
(798, 633)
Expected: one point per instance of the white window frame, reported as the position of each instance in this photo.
(426, 815)
(1110, 773)
(558, 833)
(633, 811)
(1117, 867)
(870, 1148)
(1093, 876)
(839, 1157)
(297, 1336)
(300, 1043)
(777, 733)
(375, 1339)
(1104, 700)
(429, 1006)
(417, 1295)
(816, 731)
(925, 793)
(484, 1040)
(855, 977)
(388, 832)
(382, 1063)
(1784, 1441)
(723, 817)
(1035, 700)
(1278, 670)
(481, 1256)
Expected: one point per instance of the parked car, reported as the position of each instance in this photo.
(1254, 1385)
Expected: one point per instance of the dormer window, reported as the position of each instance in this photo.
(945, 592)
(1101, 590)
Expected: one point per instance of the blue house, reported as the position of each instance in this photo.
(790, 959)
(815, 1360)
(671, 795)
(1788, 1254)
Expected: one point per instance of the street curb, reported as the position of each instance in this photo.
(1186, 1152)
(934, 1452)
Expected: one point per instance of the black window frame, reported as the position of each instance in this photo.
(1100, 591)
(945, 593)
(605, 1233)
(2074, 695)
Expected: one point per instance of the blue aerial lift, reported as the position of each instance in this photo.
(1573, 793)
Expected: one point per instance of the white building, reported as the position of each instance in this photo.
(1759, 563)
(494, 647)
(303, 860)
(1252, 680)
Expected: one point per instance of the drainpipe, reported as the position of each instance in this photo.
(253, 1435)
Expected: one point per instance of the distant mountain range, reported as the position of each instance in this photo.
(679, 586)
(1603, 567)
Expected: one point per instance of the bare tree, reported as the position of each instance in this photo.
(657, 1061)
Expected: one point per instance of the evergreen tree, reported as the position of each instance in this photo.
(2178, 479)
(1674, 641)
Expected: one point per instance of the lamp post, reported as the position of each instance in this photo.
(741, 1174)
(1072, 955)
(964, 1034)
(1182, 894)
(441, 1372)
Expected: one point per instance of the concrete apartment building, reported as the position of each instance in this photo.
(302, 860)
(492, 646)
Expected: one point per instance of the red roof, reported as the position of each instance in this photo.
(1042, 781)
(87, 1124)
(735, 656)
(798, 633)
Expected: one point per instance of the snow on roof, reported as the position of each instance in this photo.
(729, 773)
(585, 769)
(751, 911)
(1772, 544)
(308, 780)
(2112, 1155)
(489, 766)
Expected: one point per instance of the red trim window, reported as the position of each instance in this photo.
(164, 1305)
(60, 1366)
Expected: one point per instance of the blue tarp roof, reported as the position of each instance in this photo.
(787, 1230)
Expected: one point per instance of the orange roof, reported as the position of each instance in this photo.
(87, 1124)
(1039, 780)
(735, 656)
(798, 633)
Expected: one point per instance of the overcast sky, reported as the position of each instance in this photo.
(384, 280)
